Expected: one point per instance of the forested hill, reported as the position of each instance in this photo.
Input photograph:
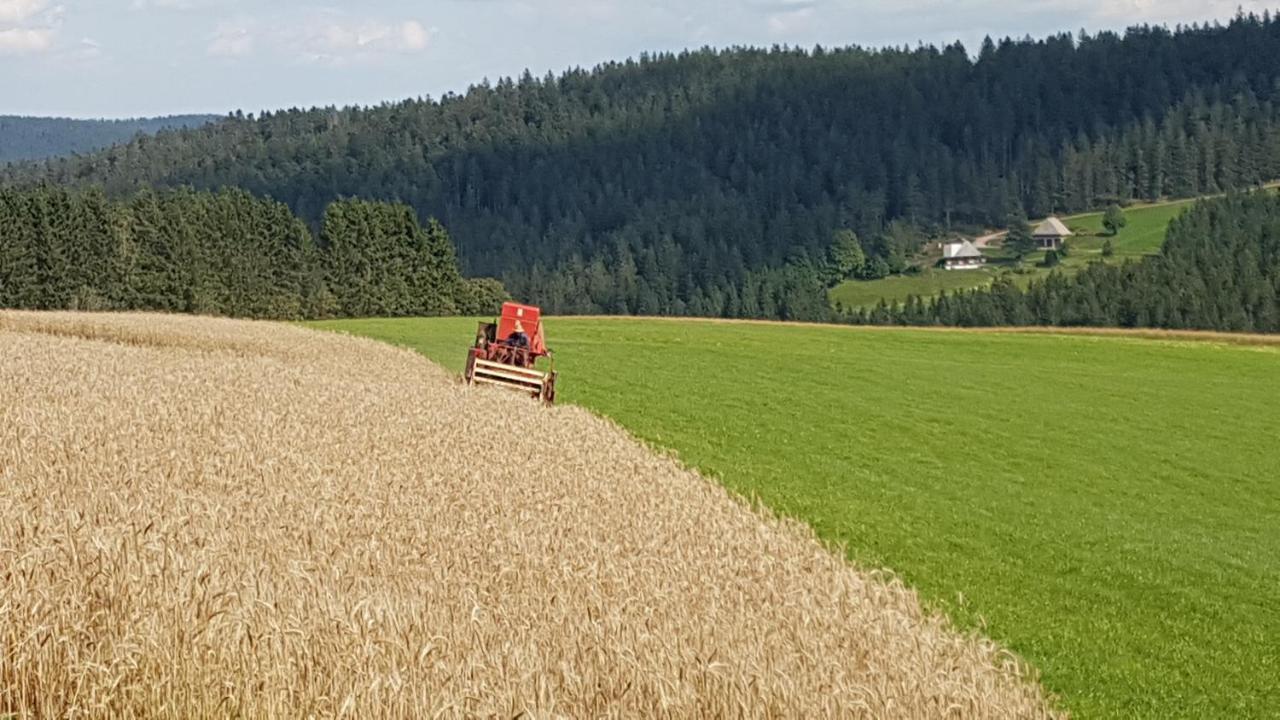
(711, 182)
(37, 138)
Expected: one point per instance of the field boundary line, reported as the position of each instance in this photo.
(1204, 336)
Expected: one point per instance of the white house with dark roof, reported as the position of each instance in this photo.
(1050, 233)
(962, 255)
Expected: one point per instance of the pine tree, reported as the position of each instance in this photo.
(1020, 241)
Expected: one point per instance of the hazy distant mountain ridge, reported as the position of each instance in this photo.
(39, 138)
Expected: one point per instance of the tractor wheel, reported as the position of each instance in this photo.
(470, 372)
(549, 390)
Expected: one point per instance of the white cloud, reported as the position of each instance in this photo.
(174, 4)
(781, 5)
(28, 26)
(338, 39)
(22, 41)
(1111, 13)
(791, 21)
(325, 37)
(89, 49)
(413, 36)
(231, 40)
(1172, 11)
(15, 12)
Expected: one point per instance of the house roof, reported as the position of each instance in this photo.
(960, 250)
(1053, 227)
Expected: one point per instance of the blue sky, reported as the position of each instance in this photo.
(121, 58)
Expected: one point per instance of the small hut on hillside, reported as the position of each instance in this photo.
(962, 255)
(1050, 233)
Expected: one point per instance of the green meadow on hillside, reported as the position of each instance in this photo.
(1142, 235)
(897, 288)
(1105, 507)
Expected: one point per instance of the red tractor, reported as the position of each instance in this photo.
(505, 353)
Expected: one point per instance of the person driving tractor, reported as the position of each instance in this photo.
(517, 338)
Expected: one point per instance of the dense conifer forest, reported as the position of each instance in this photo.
(713, 182)
(35, 138)
(1219, 269)
(226, 253)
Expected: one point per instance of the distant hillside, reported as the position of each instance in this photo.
(35, 138)
(711, 182)
(1219, 269)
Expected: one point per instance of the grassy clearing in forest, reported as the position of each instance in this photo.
(1142, 235)
(897, 288)
(1105, 506)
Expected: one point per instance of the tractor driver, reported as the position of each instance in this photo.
(517, 338)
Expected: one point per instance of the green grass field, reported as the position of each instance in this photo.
(930, 282)
(1142, 235)
(1109, 508)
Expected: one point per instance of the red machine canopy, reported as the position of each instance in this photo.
(530, 318)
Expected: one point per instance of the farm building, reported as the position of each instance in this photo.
(962, 255)
(1050, 233)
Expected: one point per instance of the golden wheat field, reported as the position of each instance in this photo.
(213, 518)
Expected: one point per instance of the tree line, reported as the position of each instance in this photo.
(36, 138)
(704, 182)
(227, 253)
(1219, 269)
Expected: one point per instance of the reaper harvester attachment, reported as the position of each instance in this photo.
(505, 353)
